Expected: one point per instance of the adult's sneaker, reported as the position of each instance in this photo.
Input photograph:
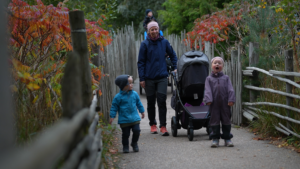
(164, 131)
(153, 129)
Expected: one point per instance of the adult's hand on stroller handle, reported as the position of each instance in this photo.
(208, 103)
(142, 83)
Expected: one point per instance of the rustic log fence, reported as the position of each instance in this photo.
(75, 140)
(249, 110)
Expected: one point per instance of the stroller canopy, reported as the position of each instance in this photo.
(189, 58)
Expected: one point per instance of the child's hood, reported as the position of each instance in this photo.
(147, 11)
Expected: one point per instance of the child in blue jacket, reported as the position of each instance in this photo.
(126, 103)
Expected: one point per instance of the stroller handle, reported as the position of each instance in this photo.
(174, 77)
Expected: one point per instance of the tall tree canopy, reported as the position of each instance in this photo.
(179, 15)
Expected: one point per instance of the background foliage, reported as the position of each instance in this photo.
(40, 38)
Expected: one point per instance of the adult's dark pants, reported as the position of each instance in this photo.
(126, 133)
(157, 90)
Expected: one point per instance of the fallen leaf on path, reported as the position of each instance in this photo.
(257, 138)
(113, 151)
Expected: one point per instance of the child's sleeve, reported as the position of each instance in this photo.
(231, 94)
(114, 107)
(139, 104)
(208, 97)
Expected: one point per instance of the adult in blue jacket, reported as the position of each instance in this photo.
(153, 74)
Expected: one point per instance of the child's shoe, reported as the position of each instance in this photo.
(125, 149)
(164, 131)
(228, 143)
(135, 147)
(215, 143)
(153, 129)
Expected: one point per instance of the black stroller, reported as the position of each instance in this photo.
(192, 70)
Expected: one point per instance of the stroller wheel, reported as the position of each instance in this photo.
(190, 133)
(174, 126)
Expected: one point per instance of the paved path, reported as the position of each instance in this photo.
(157, 151)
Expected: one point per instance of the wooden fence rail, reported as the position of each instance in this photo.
(289, 96)
(73, 141)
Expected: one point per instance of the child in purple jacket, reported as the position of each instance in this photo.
(219, 94)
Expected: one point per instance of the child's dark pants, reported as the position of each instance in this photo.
(126, 133)
(220, 113)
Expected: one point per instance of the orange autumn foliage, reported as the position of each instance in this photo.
(213, 28)
(39, 33)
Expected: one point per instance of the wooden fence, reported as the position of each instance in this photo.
(72, 142)
(250, 112)
(120, 57)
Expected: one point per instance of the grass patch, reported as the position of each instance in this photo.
(110, 140)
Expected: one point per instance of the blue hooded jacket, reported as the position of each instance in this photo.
(126, 104)
(152, 60)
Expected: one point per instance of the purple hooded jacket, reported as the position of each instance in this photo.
(219, 91)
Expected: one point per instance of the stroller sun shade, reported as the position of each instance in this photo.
(189, 58)
(192, 84)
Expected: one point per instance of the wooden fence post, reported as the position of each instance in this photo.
(71, 86)
(80, 46)
(212, 50)
(289, 67)
(207, 51)
(253, 60)
(96, 51)
(200, 45)
(7, 131)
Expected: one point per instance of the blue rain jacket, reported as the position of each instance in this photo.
(126, 104)
(152, 60)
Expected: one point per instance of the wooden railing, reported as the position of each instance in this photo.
(74, 141)
(250, 112)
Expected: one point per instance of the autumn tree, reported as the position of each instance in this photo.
(40, 39)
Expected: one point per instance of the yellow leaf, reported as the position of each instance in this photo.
(32, 86)
(33, 54)
(35, 99)
(14, 88)
(54, 105)
(37, 76)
